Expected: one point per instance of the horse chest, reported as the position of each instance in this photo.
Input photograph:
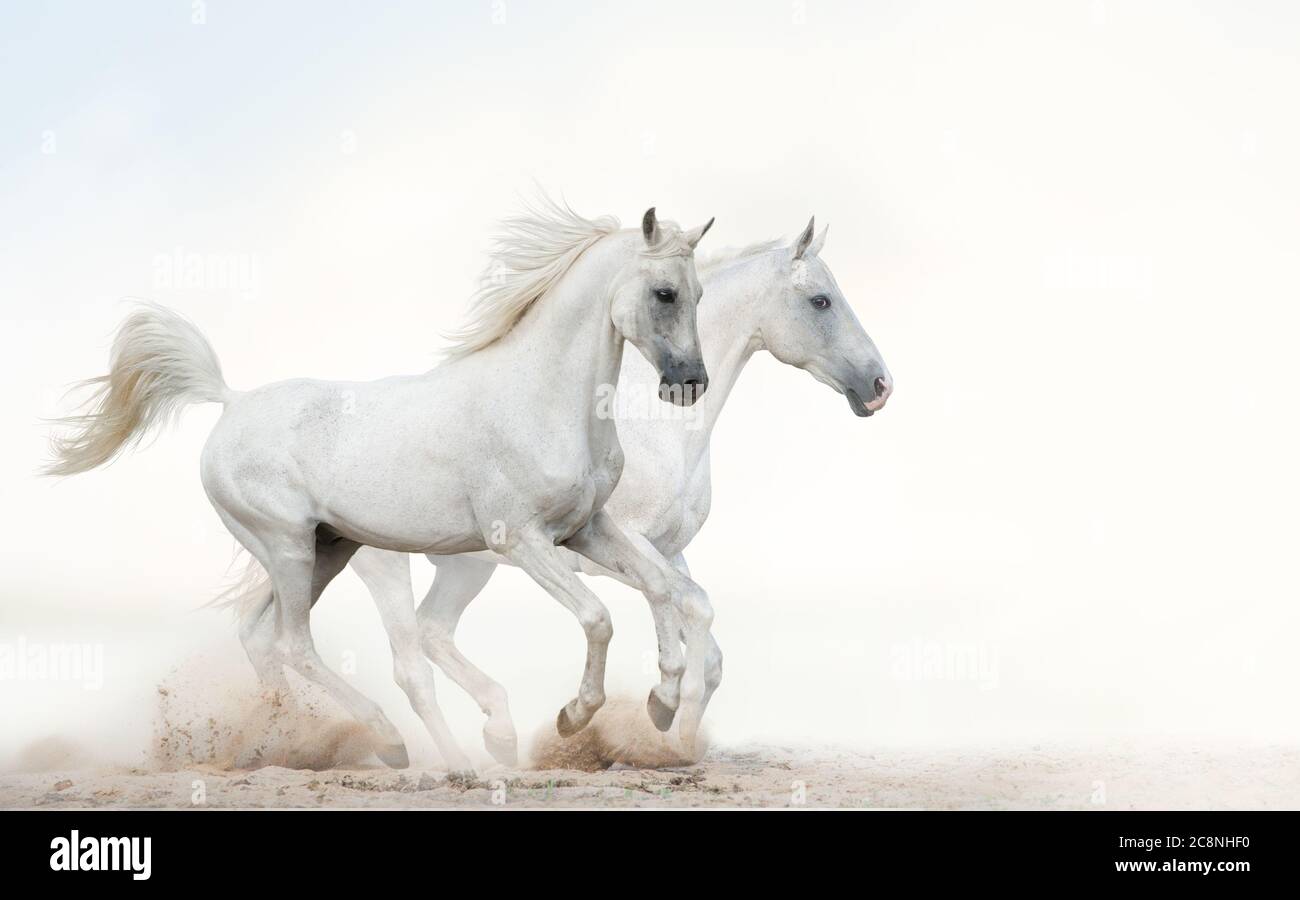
(573, 494)
(669, 514)
(683, 522)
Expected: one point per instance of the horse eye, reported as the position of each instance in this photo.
(821, 301)
(667, 295)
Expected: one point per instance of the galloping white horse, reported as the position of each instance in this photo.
(500, 446)
(773, 296)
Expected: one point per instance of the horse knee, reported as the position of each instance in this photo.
(597, 625)
(672, 663)
(657, 589)
(695, 606)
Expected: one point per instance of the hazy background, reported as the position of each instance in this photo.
(1071, 231)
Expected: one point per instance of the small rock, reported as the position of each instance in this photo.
(63, 785)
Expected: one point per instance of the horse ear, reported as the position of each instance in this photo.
(815, 248)
(693, 236)
(801, 245)
(650, 227)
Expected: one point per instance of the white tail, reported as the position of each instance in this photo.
(247, 592)
(160, 363)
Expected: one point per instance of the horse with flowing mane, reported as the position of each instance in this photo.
(776, 296)
(499, 447)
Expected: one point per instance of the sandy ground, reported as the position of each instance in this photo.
(242, 749)
(742, 776)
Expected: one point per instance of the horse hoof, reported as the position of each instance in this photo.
(661, 714)
(504, 750)
(393, 755)
(686, 739)
(566, 725)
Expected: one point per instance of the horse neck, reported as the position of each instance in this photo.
(729, 335)
(566, 344)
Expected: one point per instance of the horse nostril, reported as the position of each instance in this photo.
(881, 386)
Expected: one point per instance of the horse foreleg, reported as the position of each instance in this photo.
(547, 566)
(603, 542)
(713, 659)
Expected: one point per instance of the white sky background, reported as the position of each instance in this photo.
(1071, 231)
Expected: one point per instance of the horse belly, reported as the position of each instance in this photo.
(424, 513)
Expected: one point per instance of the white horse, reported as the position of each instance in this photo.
(773, 296)
(500, 446)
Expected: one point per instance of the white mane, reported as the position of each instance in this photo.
(531, 252)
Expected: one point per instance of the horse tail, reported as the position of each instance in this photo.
(159, 364)
(247, 592)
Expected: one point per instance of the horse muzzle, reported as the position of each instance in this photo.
(683, 385)
(881, 388)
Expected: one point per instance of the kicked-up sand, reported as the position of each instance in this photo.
(266, 754)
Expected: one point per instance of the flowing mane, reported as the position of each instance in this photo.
(530, 253)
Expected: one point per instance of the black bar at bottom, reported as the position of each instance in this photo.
(213, 848)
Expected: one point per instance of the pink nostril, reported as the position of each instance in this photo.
(881, 386)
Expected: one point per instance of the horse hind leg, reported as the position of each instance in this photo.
(257, 635)
(300, 569)
(411, 670)
(254, 606)
(387, 575)
(458, 582)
